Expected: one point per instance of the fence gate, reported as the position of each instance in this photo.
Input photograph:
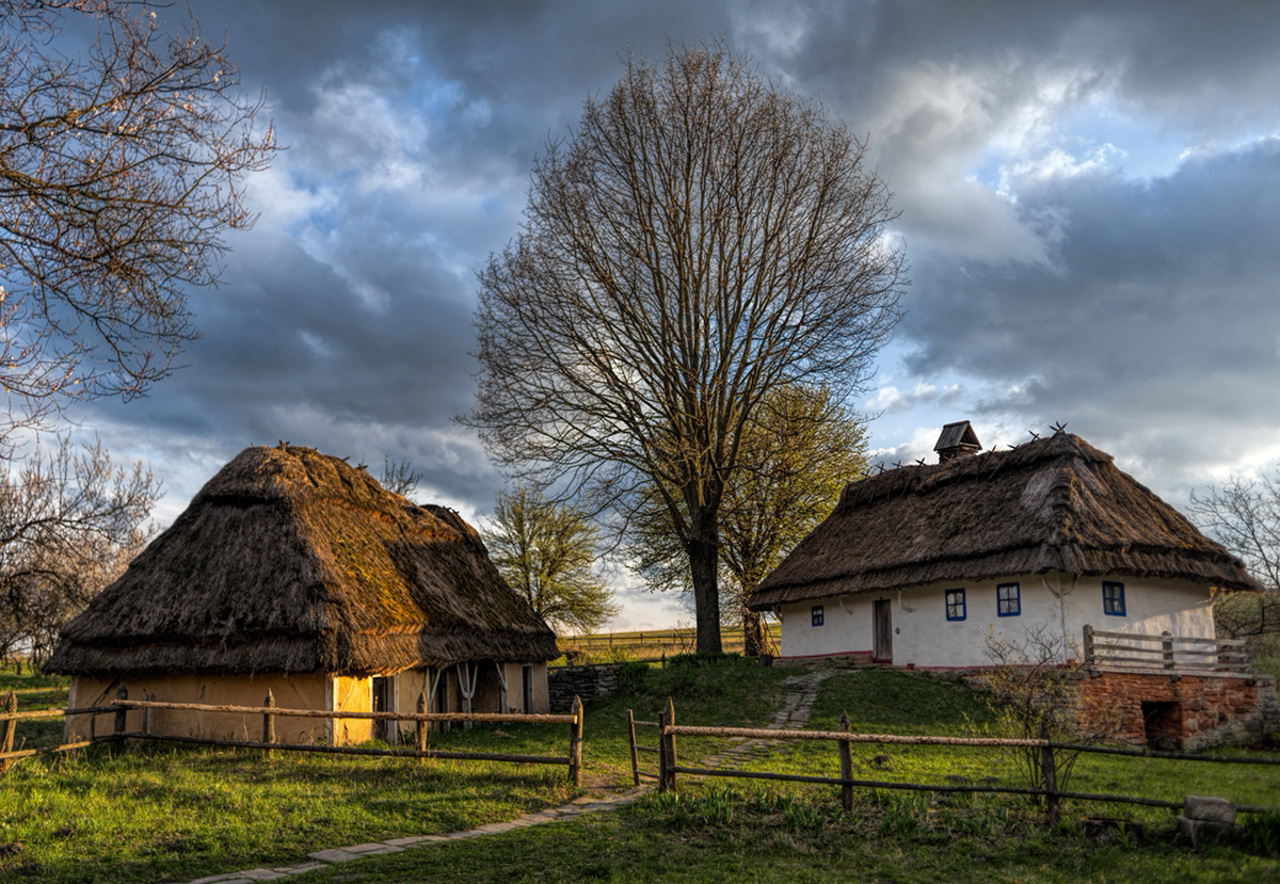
(652, 752)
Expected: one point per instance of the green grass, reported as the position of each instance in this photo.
(163, 813)
(772, 840)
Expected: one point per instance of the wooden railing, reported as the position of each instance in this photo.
(1165, 652)
(10, 716)
(1048, 752)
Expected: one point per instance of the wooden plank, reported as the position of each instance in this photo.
(37, 713)
(353, 750)
(921, 740)
(46, 750)
(280, 712)
(919, 787)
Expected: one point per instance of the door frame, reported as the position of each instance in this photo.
(882, 631)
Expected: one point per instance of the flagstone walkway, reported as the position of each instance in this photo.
(802, 690)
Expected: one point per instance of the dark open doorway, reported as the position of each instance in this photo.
(1162, 721)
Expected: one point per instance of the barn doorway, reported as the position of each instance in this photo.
(1162, 722)
(882, 631)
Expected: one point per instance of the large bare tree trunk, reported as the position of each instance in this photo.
(704, 572)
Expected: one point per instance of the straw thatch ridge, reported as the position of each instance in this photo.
(289, 560)
(1056, 504)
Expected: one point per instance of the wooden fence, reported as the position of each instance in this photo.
(10, 716)
(669, 642)
(1166, 652)
(669, 766)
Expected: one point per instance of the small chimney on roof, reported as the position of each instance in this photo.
(957, 440)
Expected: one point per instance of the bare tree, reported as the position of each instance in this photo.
(121, 164)
(69, 523)
(548, 553)
(797, 453)
(703, 237)
(399, 476)
(1244, 516)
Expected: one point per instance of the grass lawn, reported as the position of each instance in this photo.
(176, 814)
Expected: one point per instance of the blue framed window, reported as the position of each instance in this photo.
(1113, 598)
(955, 604)
(1008, 599)
(816, 615)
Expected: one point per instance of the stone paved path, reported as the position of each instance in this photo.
(802, 690)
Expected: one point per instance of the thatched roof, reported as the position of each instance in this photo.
(1055, 504)
(289, 560)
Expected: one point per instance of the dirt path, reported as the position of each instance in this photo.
(802, 690)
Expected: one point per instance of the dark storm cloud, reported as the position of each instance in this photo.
(1158, 308)
(1051, 280)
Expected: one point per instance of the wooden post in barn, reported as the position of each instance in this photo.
(670, 742)
(575, 742)
(420, 727)
(122, 714)
(631, 737)
(846, 766)
(1049, 774)
(7, 727)
(269, 720)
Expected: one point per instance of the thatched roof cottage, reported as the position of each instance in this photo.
(918, 565)
(294, 571)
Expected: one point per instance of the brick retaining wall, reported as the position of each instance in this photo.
(1183, 711)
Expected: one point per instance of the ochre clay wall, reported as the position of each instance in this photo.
(294, 692)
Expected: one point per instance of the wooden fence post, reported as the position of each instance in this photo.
(1088, 645)
(269, 720)
(631, 738)
(575, 742)
(122, 714)
(7, 727)
(846, 766)
(662, 752)
(1049, 774)
(1166, 647)
(670, 740)
(420, 727)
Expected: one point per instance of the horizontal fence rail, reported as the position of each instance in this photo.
(1177, 653)
(669, 765)
(10, 716)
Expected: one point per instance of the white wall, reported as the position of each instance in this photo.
(924, 637)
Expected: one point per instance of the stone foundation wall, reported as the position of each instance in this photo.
(598, 682)
(1194, 711)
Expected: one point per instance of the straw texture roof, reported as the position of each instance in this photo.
(1055, 504)
(289, 560)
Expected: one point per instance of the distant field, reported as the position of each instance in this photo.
(648, 644)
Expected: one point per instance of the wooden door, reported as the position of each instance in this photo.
(382, 729)
(882, 631)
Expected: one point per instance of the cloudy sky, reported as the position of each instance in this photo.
(1089, 197)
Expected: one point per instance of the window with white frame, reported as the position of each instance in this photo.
(1008, 599)
(955, 604)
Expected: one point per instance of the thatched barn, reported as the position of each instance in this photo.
(296, 572)
(919, 565)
